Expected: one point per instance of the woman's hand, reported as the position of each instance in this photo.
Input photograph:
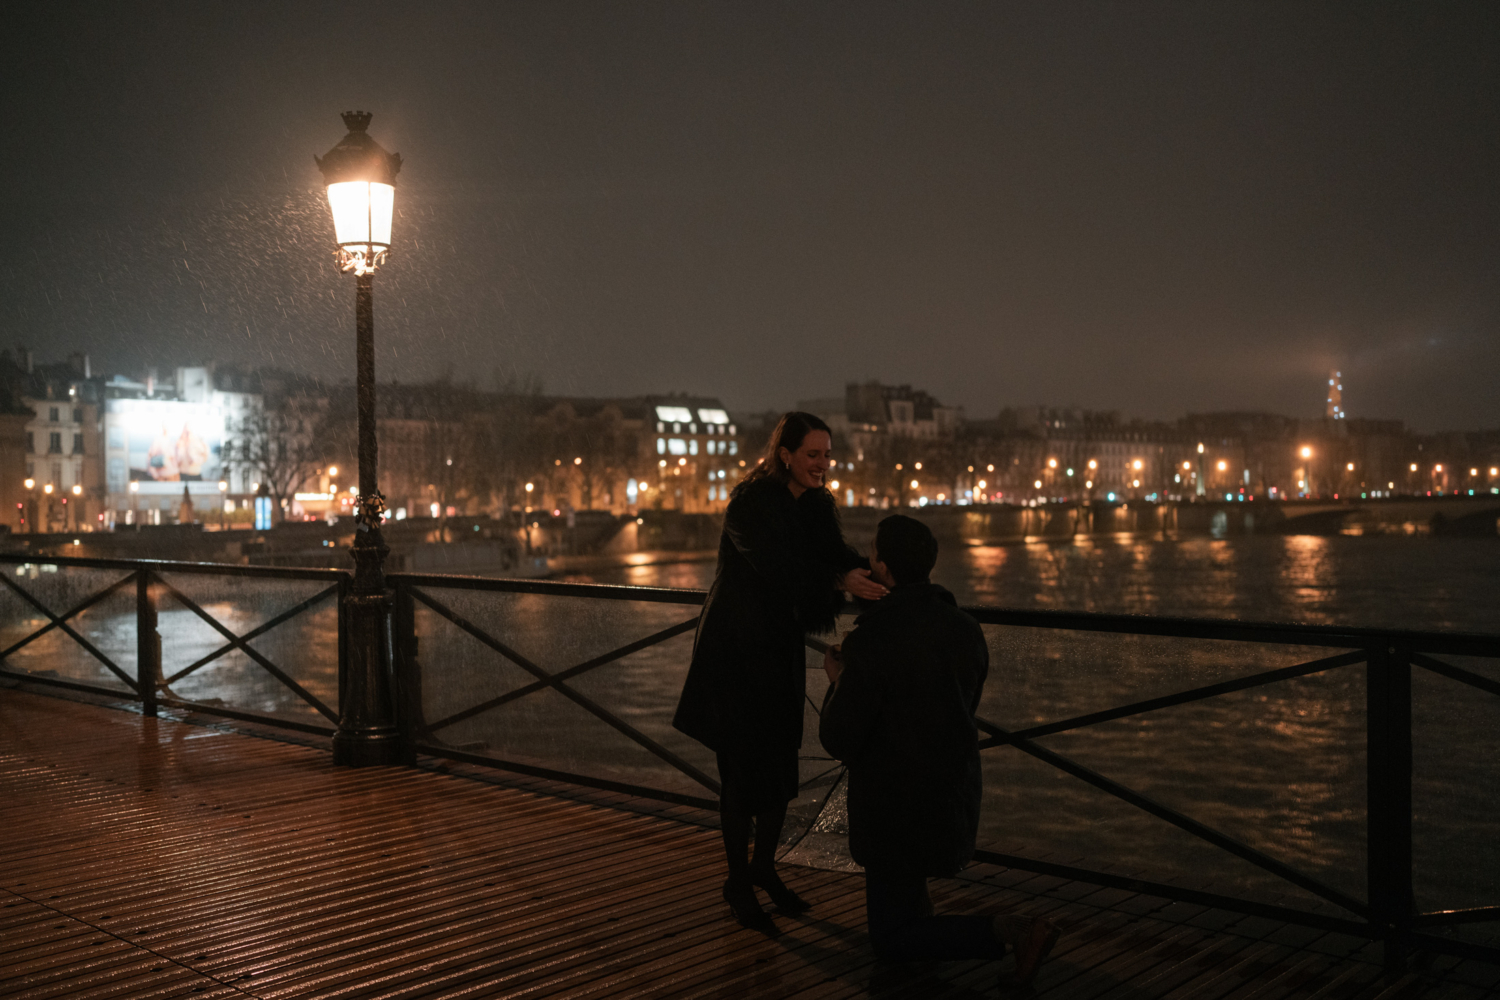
(833, 663)
(858, 583)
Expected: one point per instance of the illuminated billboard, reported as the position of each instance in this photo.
(163, 445)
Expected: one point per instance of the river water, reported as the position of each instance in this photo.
(1279, 767)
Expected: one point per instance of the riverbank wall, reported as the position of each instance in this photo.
(546, 545)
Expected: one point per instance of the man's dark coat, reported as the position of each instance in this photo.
(780, 562)
(902, 718)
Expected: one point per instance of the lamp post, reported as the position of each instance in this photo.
(361, 180)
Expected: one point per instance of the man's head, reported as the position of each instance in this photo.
(904, 551)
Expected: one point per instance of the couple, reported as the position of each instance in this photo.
(899, 711)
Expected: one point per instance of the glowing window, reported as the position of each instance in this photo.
(713, 416)
(661, 446)
(677, 446)
(674, 414)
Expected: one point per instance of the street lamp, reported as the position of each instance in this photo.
(361, 180)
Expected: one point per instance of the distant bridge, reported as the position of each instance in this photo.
(996, 523)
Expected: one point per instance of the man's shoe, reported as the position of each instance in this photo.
(785, 899)
(740, 895)
(1040, 937)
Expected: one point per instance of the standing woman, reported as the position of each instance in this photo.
(783, 568)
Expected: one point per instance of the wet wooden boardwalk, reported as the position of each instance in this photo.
(155, 858)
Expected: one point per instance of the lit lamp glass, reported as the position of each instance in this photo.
(47, 489)
(31, 484)
(361, 179)
(78, 491)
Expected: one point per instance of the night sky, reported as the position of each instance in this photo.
(1157, 208)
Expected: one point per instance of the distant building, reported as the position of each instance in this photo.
(461, 451)
(17, 501)
(63, 457)
(1333, 407)
(162, 438)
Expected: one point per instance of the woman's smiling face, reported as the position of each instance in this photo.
(810, 462)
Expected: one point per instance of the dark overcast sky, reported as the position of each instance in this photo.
(1151, 207)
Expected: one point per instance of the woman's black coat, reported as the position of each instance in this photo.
(780, 562)
(902, 718)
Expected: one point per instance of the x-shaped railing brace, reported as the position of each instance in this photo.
(556, 681)
(61, 622)
(242, 643)
(1023, 740)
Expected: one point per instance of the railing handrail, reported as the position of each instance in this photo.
(1237, 630)
(1226, 629)
(521, 585)
(176, 566)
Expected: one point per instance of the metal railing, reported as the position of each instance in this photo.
(147, 684)
(1389, 657)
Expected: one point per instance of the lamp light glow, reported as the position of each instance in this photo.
(361, 179)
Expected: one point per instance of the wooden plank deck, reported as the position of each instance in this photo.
(156, 858)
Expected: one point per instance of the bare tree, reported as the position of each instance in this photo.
(282, 446)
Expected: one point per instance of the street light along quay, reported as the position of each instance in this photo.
(361, 180)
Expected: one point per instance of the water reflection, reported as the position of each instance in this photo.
(1306, 574)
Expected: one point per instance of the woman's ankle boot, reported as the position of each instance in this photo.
(739, 893)
(785, 899)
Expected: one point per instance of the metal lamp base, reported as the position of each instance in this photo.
(370, 749)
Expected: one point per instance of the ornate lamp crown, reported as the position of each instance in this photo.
(358, 157)
(361, 178)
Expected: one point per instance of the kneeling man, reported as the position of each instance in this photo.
(900, 713)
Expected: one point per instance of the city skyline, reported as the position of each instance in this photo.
(1160, 210)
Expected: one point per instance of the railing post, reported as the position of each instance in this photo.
(147, 643)
(408, 671)
(1388, 769)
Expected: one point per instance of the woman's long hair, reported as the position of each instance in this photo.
(791, 430)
